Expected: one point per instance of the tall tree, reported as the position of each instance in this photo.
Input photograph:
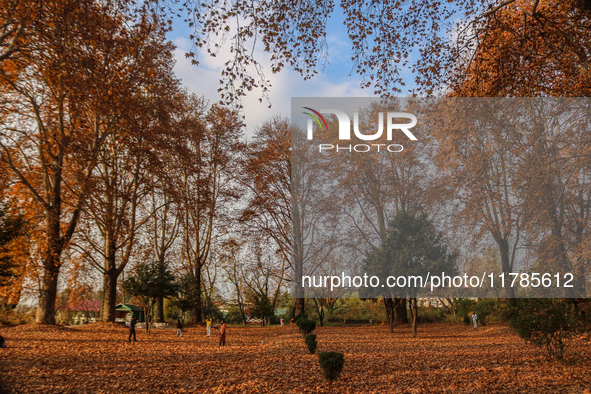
(540, 48)
(59, 105)
(476, 159)
(164, 231)
(207, 167)
(287, 202)
(268, 169)
(233, 268)
(375, 185)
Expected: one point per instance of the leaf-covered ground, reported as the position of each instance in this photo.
(444, 358)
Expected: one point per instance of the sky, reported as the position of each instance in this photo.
(335, 80)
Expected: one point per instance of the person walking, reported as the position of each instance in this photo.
(208, 325)
(223, 334)
(132, 324)
(474, 319)
(281, 322)
(179, 329)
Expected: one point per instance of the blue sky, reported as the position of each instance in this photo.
(333, 81)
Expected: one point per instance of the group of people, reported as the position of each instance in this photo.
(179, 330)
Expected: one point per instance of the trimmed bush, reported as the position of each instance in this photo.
(311, 343)
(306, 326)
(332, 364)
(299, 317)
(467, 320)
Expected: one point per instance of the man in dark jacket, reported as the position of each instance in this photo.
(179, 329)
(132, 324)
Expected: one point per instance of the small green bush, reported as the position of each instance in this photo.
(545, 322)
(306, 326)
(467, 320)
(332, 364)
(311, 343)
(299, 316)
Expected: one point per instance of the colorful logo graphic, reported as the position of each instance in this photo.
(316, 117)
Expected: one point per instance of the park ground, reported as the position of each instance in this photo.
(444, 358)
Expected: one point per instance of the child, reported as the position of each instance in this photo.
(223, 334)
(208, 324)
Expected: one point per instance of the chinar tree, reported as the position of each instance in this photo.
(413, 248)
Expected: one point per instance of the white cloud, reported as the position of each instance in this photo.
(204, 81)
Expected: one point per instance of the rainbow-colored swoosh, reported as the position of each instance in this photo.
(316, 118)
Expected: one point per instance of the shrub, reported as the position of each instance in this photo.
(467, 320)
(299, 316)
(545, 322)
(463, 307)
(311, 343)
(306, 326)
(435, 315)
(484, 309)
(332, 364)
(13, 316)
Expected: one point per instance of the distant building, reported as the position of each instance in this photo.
(126, 312)
(85, 311)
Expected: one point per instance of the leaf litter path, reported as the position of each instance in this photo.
(444, 358)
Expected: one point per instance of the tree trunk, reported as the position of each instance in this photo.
(160, 310)
(505, 264)
(413, 313)
(147, 318)
(400, 310)
(241, 309)
(51, 265)
(48, 292)
(389, 305)
(110, 295)
(198, 309)
(300, 306)
(320, 311)
(109, 279)
(298, 250)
